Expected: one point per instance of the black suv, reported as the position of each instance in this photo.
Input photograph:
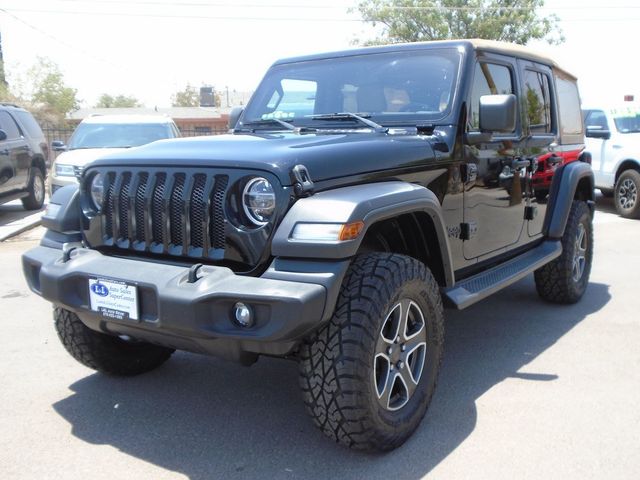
(24, 157)
(356, 194)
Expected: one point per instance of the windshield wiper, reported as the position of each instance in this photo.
(270, 121)
(287, 125)
(351, 116)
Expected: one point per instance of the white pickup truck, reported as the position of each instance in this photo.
(613, 138)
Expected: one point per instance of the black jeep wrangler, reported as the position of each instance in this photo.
(356, 193)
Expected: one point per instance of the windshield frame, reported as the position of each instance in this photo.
(277, 73)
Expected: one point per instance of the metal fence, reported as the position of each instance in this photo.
(63, 134)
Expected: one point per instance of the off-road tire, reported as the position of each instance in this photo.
(35, 199)
(336, 362)
(555, 281)
(629, 178)
(106, 353)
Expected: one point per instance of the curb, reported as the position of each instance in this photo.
(21, 229)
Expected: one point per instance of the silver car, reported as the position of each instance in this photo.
(100, 135)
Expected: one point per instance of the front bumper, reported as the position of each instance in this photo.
(197, 317)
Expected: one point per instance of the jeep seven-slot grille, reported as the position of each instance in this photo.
(176, 212)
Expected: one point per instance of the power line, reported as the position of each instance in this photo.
(56, 39)
(206, 4)
(200, 17)
(248, 18)
(325, 6)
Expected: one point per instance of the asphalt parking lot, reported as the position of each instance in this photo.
(527, 390)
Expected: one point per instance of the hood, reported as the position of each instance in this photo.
(81, 156)
(326, 156)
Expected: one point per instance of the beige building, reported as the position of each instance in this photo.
(190, 120)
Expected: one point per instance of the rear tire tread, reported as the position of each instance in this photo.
(554, 281)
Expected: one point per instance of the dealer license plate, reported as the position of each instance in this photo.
(114, 299)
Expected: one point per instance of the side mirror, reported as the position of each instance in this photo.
(234, 116)
(585, 157)
(58, 146)
(498, 113)
(3, 135)
(596, 131)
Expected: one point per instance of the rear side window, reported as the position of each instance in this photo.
(30, 124)
(8, 124)
(536, 85)
(569, 104)
(569, 112)
(488, 79)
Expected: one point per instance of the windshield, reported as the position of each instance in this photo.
(627, 119)
(388, 88)
(117, 135)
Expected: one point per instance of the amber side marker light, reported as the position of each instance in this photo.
(350, 231)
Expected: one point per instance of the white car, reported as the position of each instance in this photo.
(613, 138)
(100, 135)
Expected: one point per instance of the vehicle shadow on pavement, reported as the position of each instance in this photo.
(206, 418)
(605, 204)
(14, 211)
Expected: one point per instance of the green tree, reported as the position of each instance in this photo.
(119, 101)
(189, 97)
(50, 98)
(516, 21)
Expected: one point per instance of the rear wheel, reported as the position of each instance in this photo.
(627, 193)
(565, 279)
(368, 376)
(106, 353)
(35, 199)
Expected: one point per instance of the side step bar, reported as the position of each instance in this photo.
(480, 286)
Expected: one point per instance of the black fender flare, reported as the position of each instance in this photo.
(62, 218)
(368, 203)
(563, 191)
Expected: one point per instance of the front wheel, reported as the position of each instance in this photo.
(627, 193)
(368, 376)
(35, 198)
(565, 279)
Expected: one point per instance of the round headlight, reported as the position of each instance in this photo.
(97, 190)
(259, 200)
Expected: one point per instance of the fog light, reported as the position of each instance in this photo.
(243, 315)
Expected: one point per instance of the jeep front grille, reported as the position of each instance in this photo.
(170, 212)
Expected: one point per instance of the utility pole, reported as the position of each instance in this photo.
(3, 79)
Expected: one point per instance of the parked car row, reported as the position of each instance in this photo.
(25, 157)
(100, 135)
